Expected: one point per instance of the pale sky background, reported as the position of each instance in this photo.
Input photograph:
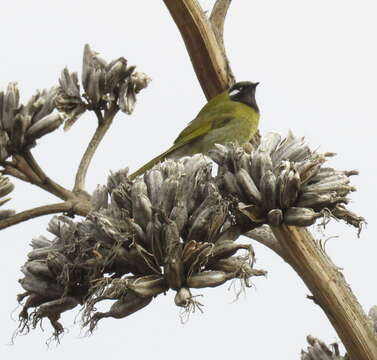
(316, 61)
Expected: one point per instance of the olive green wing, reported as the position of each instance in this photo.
(208, 118)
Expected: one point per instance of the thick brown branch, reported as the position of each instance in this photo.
(36, 212)
(204, 50)
(103, 126)
(330, 291)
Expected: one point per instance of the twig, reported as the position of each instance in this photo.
(217, 20)
(204, 50)
(36, 212)
(330, 291)
(103, 126)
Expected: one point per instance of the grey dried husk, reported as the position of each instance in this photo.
(283, 181)
(105, 84)
(176, 228)
(6, 187)
(170, 229)
(21, 125)
(318, 350)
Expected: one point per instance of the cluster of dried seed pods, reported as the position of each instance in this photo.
(282, 180)
(175, 228)
(21, 125)
(6, 187)
(105, 84)
(170, 229)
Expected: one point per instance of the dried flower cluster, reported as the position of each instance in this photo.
(283, 181)
(318, 350)
(105, 85)
(6, 187)
(21, 125)
(175, 228)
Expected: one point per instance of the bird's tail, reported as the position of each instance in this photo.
(150, 164)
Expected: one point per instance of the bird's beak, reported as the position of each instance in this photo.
(256, 84)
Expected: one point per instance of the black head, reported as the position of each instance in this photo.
(244, 92)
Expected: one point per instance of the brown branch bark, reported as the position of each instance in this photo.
(330, 291)
(36, 212)
(210, 65)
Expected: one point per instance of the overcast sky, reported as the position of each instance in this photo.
(316, 62)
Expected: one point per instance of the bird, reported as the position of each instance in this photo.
(231, 116)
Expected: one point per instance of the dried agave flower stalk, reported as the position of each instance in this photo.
(175, 228)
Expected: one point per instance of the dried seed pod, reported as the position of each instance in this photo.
(122, 199)
(147, 286)
(173, 268)
(33, 300)
(227, 248)
(232, 233)
(208, 279)
(56, 262)
(207, 223)
(239, 266)
(167, 195)
(44, 126)
(127, 97)
(40, 242)
(288, 189)
(56, 307)
(145, 261)
(142, 210)
(275, 217)
(298, 216)
(153, 179)
(139, 188)
(183, 297)
(268, 190)
(38, 268)
(253, 212)
(41, 253)
(231, 184)
(324, 187)
(116, 74)
(41, 286)
(125, 306)
(179, 215)
(195, 255)
(269, 142)
(219, 154)
(321, 200)
(157, 241)
(257, 159)
(99, 198)
(309, 169)
(249, 188)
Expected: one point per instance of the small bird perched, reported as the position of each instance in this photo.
(231, 116)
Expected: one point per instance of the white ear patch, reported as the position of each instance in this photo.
(234, 92)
